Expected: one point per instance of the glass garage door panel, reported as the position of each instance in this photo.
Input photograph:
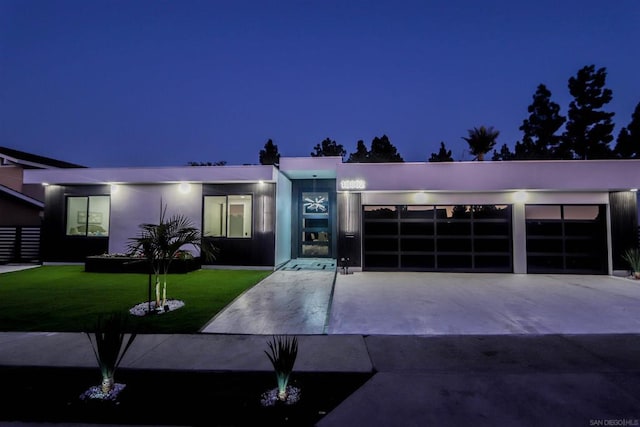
(566, 239)
(438, 238)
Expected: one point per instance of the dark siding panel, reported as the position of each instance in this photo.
(259, 250)
(624, 223)
(349, 228)
(56, 245)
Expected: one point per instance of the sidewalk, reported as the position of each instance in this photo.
(8, 268)
(516, 380)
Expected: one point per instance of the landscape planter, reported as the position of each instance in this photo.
(102, 264)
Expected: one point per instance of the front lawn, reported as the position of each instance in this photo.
(68, 299)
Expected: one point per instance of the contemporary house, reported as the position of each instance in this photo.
(22, 204)
(516, 216)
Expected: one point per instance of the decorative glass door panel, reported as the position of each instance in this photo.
(316, 226)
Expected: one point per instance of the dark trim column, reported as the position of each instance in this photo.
(623, 207)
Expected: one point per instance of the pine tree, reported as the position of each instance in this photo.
(589, 128)
(361, 155)
(540, 139)
(383, 151)
(443, 155)
(328, 147)
(503, 155)
(628, 142)
(269, 155)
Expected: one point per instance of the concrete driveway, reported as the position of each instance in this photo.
(372, 303)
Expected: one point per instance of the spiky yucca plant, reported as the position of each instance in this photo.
(282, 353)
(632, 256)
(107, 344)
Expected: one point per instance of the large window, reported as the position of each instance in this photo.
(227, 216)
(88, 216)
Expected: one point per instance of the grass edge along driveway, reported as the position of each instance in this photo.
(68, 299)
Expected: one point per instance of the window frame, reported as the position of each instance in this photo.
(225, 220)
(87, 217)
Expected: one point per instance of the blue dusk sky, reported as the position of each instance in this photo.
(162, 83)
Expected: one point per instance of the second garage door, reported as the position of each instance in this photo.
(566, 239)
(437, 238)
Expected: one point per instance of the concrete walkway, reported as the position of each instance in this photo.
(306, 301)
(292, 300)
(8, 268)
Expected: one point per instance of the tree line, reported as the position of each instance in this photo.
(585, 133)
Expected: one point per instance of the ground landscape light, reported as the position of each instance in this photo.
(520, 196)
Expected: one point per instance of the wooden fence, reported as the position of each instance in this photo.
(19, 245)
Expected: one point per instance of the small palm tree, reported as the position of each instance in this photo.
(160, 244)
(481, 140)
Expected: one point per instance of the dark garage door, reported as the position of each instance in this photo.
(437, 238)
(566, 239)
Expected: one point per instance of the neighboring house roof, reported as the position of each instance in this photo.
(20, 196)
(32, 160)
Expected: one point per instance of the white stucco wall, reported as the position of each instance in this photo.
(135, 204)
(283, 220)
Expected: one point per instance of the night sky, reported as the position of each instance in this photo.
(162, 83)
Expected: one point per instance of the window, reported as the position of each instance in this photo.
(88, 216)
(227, 216)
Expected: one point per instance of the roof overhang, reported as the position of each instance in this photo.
(203, 174)
(21, 196)
(310, 167)
(570, 175)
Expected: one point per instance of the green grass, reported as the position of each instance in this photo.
(67, 299)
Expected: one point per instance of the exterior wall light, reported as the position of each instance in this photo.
(635, 190)
(44, 184)
(520, 196)
(114, 188)
(184, 187)
(420, 197)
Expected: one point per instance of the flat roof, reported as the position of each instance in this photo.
(561, 175)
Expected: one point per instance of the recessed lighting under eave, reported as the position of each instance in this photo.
(520, 196)
(184, 187)
(634, 190)
(420, 197)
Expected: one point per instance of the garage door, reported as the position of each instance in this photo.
(566, 239)
(437, 238)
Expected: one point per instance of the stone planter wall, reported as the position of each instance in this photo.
(101, 264)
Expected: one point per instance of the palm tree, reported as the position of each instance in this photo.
(481, 140)
(160, 244)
